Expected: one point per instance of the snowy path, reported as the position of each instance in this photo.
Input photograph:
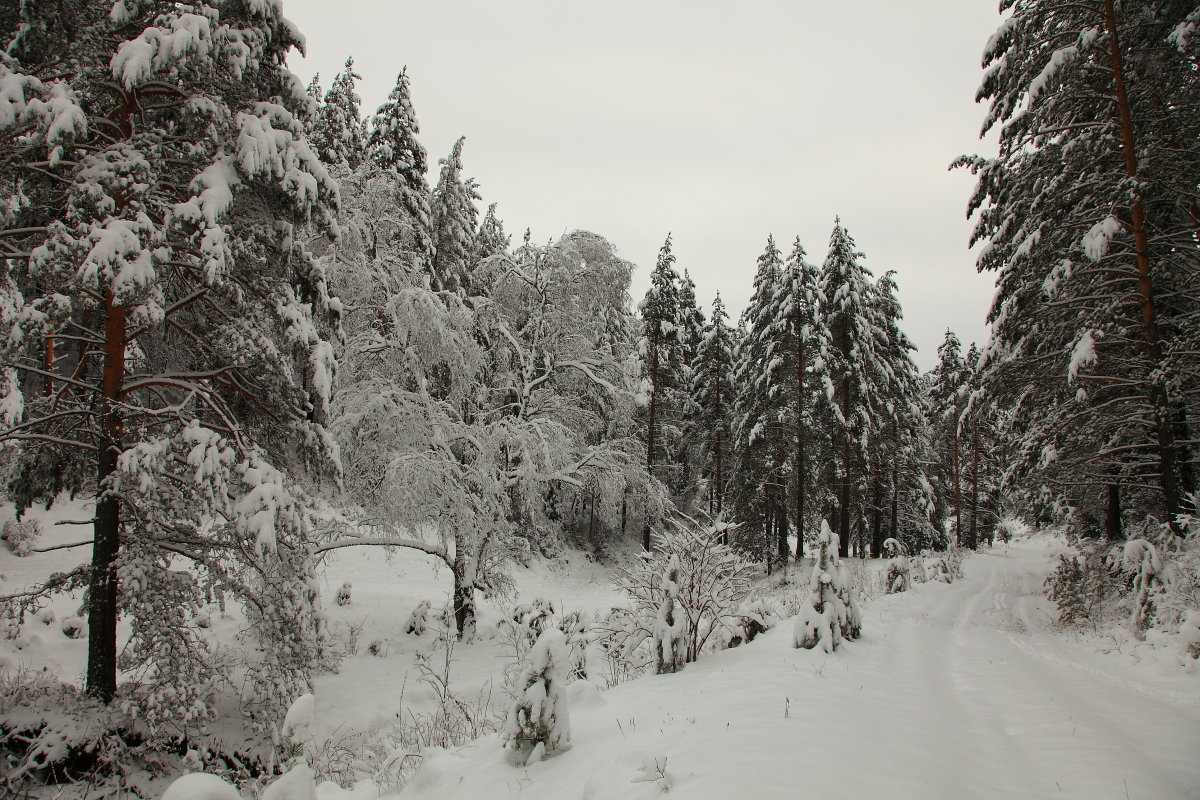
(955, 691)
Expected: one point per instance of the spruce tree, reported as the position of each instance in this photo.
(848, 314)
(948, 397)
(661, 359)
(798, 333)
(761, 444)
(897, 418)
(691, 334)
(453, 217)
(713, 395)
(337, 134)
(393, 148)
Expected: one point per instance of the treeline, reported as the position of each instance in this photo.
(810, 408)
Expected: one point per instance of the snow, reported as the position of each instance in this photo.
(954, 690)
(200, 786)
(1057, 60)
(1083, 354)
(160, 49)
(1095, 241)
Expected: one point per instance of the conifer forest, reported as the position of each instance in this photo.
(323, 478)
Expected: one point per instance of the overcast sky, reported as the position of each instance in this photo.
(716, 121)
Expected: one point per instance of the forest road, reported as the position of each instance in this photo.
(1020, 710)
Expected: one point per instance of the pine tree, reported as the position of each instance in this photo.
(337, 133)
(948, 397)
(1090, 223)
(169, 342)
(453, 218)
(713, 395)
(899, 418)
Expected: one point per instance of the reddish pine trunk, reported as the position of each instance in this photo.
(974, 540)
(1159, 404)
(102, 584)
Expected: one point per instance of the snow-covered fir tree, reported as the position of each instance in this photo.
(829, 614)
(797, 330)
(393, 147)
(854, 334)
(662, 369)
(338, 134)
(761, 442)
(713, 397)
(948, 397)
(453, 218)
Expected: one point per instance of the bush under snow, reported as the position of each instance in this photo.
(539, 716)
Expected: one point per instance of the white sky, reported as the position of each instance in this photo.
(716, 121)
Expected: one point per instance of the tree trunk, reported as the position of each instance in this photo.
(958, 535)
(974, 540)
(877, 515)
(1159, 401)
(650, 433)
(781, 517)
(844, 500)
(801, 469)
(464, 592)
(1112, 514)
(103, 591)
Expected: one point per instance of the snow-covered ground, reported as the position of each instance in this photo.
(954, 691)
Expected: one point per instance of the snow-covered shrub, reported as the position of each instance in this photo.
(73, 627)
(576, 626)
(343, 594)
(418, 619)
(1189, 634)
(954, 560)
(46, 616)
(1082, 587)
(540, 716)
(1009, 528)
(1151, 583)
(713, 580)
(898, 577)
(670, 626)
(21, 535)
(757, 616)
(525, 623)
(376, 648)
(830, 612)
(201, 786)
(937, 570)
(619, 635)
